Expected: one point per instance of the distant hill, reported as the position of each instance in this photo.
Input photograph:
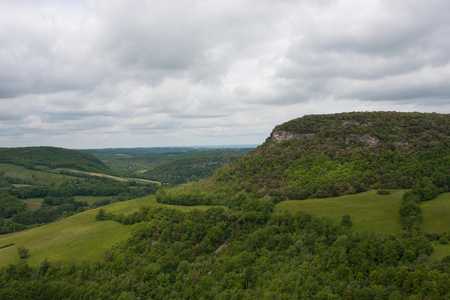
(173, 165)
(188, 169)
(331, 155)
(51, 157)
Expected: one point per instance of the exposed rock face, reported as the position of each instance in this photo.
(401, 144)
(345, 122)
(203, 165)
(281, 136)
(363, 138)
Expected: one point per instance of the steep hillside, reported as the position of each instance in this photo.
(331, 155)
(51, 157)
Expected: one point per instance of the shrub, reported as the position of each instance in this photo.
(346, 221)
(443, 240)
(383, 192)
(23, 252)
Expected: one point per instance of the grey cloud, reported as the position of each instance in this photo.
(171, 72)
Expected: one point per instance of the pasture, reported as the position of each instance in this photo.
(76, 238)
(368, 211)
(436, 214)
(35, 177)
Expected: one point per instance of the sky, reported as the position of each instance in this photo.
(114, 73)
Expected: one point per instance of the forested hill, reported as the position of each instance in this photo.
(51, 157)
(331, 155)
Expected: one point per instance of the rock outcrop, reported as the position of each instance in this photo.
(281, 136)
(363, 138)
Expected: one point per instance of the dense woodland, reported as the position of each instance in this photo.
(236, 254)
(246, 251)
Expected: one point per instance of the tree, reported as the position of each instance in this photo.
(346, 222)
(23, 252)
(101, 215)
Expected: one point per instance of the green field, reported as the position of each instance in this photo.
(75, 238)
(33, 176)
(90, 199)
(33, 203)
(436, 214)
(368, 211)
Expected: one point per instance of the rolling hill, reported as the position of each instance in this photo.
(52, 158)
(77, 237)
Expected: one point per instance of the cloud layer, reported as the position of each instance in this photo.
(95, 74)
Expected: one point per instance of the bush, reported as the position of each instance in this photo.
(346, 222)
(383, 192)
(23, 252)
(443, 240)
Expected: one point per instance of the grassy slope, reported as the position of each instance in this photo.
(368, 211)
(52, 157)
(75, 238)
(435, 214)
(36, 177)
(81, 237)
(436, 219)
(33, 203)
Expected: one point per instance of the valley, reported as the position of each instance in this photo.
(340, 206)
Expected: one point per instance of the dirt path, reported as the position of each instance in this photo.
(114, 177)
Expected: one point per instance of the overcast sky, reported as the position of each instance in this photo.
(115, 73)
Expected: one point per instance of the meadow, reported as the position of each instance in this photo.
(80, 237)
(368, 211)
(75, 238)
(436, 214)
(35, 177)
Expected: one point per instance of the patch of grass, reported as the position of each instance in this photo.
(78, 237)
(33, 203)
(90, 199)
(368, 211)
(435, 214)
(33, 176)
(440, 251)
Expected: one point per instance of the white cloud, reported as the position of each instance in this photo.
(151, 73)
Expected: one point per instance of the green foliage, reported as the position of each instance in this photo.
(383, 192)
(23, 252)
(227, 254)
(410, 210)
(443, 240)
(10, 205)
(411, 213)
(346, 221)
(51, 157)
(425, 189)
